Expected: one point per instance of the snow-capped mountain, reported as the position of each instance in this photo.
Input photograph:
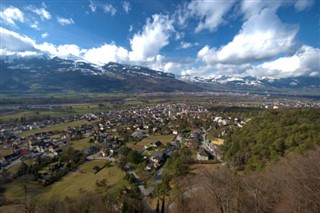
(41, 74)
(44, 75)
(258, 82)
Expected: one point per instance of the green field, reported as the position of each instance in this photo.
(13, 208)
(4, 152)
(63, 110)
(83, 179)
(81, 144)
(71, 185)
(31, 113)
(14, 169)
(56, 127)
(152, 138)
(14, 190)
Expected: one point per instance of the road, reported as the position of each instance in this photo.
(145, 191)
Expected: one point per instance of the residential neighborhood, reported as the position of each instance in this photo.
(138, 140)
(106, 132)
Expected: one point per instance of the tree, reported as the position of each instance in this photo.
(134, 157)
(29, 203)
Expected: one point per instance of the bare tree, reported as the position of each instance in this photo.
(29, 203)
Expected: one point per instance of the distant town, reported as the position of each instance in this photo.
(136, 139)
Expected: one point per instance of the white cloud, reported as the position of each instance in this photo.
(93, 6)
(262, 36)
(108, 8)
(105, 54)
(12, 14)
(47, 48)
(179, 35)
(126, 6)
(12, 41)
(250, 8)
(44, 35)
(210, 13)
(63, 51)
(185, 45)
(154, 36)
(306, 61)
(303, 4)
(35, 25)
(68, 50)
(182, 14)
(42, 12)
(130, 28)
(65, 21)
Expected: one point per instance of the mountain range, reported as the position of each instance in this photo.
(42, 74)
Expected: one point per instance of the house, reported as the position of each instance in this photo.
(176, 144)
(148, 167)
(139, 134)
(202, 155)
(157, 158)
(169, 150)
(12, 157)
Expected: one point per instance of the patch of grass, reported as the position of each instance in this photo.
(12, 208)
(133, 103)
(90, 108)
(152, 138)
(14, 190)
(31, 113)
(4, 152)
(14, 169)
(83, 179)
(60, 127)
(81, 144)
(201, 169)
(56, 136)
(212, 134)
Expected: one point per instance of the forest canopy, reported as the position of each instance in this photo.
(271, 135)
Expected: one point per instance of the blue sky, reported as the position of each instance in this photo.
(204, 37)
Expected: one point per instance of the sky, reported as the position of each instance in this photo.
(207, 38)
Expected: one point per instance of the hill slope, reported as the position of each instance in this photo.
(42, 75)
(267, 138)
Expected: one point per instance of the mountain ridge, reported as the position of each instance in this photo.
(44, 75)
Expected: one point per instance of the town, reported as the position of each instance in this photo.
(136, 140)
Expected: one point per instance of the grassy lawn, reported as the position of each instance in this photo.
(81, 144)
(4, 152)
(200, 169)
(134, 103)
(211, 135)
(83, 179)
(57, 136)
(30, 113)
(56, 127)
(90, 108)
(152, 138)
(14, 169)
(13, 208)
(14, 190)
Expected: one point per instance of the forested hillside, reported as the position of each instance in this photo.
(267, 137)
